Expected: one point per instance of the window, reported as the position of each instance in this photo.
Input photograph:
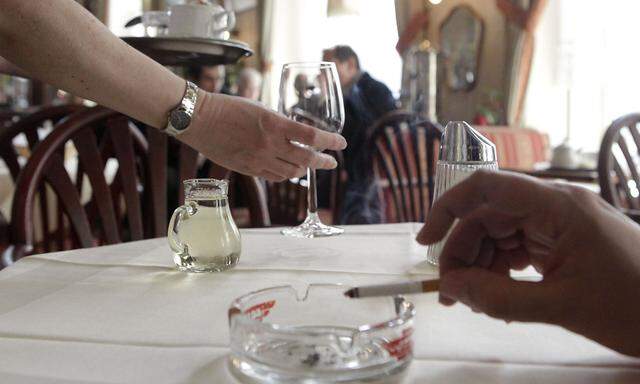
(585, 70)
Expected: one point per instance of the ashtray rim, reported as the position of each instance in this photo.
(403, 316)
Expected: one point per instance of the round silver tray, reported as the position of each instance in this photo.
(180, 51)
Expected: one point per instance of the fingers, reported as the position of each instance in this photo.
(500, 296)
(473, 240)
(285, 170)
(306, 157)
(267, 175)
(514, 194)
(313, 137)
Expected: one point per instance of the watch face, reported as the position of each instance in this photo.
(180, 119)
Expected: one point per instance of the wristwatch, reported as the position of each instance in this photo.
(180, 117)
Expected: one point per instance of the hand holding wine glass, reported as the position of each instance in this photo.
(310, 93)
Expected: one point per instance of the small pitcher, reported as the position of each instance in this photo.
(202, 233)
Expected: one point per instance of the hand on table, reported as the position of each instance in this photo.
(587, 252)
(244, 136)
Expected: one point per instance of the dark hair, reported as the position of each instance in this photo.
(193, 72)
(343, 53)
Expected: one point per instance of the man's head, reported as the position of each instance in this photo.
(249, 83)
(346, 61)
(209, 78)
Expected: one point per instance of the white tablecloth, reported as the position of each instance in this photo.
(122, 314)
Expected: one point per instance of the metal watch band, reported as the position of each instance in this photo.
(187, 106)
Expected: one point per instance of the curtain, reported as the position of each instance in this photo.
(266, 51)
(526, 15)
(403, 14)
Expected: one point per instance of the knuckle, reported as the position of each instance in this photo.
(311, 135)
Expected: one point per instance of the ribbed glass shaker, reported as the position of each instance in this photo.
(463, 150)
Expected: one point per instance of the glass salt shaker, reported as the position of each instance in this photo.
(202, 233)
(463, 150)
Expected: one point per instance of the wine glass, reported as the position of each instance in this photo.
(310, 93)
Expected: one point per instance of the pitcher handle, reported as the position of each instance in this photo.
(182, 213)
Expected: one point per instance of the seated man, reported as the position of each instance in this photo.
(210, 78)
(249, 84)
(365, 101)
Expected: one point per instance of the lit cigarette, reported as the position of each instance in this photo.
(394, 289)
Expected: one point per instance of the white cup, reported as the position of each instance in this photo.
(200, 20)
(565, 157)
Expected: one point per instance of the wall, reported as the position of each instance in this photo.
(493, 73)
(248, 25)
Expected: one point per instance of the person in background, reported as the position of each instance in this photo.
(249, 84)
(211, 78)
(365, 100)
(585, 249)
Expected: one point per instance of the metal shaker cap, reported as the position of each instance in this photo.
(461, 143)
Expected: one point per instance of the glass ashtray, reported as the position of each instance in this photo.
(280, 335)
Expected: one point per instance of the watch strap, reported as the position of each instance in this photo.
(187, 106)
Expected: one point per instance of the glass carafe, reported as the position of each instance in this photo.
(202, 233)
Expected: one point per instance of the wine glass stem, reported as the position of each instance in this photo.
(312, 193)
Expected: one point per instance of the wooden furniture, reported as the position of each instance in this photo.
(404, 152)
(116, 190)
(8, 117)
(618, 163)
(287, 200)
(27, 125)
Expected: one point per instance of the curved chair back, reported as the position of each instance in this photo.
(13, 125)
(287, 200)
(404, 152)
(29, 126)
(114, 189)
(619, 163)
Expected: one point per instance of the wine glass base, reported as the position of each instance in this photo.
(311, 228)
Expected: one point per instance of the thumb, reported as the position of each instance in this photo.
(500, 296)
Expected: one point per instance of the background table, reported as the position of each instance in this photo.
(122, 314)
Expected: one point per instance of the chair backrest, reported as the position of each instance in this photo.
(113, 190)
(9, 117)
(28, 126)
(15, 124)
(287, 200)
(404, 150)
(192, 164)
(619, 163)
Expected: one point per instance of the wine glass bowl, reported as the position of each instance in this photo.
(310, 93)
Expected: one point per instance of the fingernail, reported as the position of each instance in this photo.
(332, 162)
(343, 143)
(424, 236)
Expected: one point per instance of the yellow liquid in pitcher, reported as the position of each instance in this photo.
(211, 237)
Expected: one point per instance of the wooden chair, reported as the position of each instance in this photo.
(404, 150)
(29, 126)
(193, 164)
(17, 124)
(619, 163)
(287, 200)
(9, 117)
(116, 191)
